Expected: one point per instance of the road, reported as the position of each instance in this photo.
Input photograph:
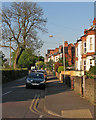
(19, 102)
(56, 101)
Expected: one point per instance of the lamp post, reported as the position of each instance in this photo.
(10, 51)
(63, 58)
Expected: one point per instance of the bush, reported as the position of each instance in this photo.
(91, 72)
(11, 75)
(60, 68)
(56, 66)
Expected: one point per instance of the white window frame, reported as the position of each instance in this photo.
(90, 43)
(84, 48)
(77, 52)
(84, 63)
(91, 64)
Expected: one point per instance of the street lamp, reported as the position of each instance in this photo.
(10, 51)
(63, 57)
(64, 60)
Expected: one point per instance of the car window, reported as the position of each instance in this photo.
(36, 76)
(40, 71)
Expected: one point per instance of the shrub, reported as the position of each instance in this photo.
(11, 75)
(60, 68)
(56, 66)
(91, 72)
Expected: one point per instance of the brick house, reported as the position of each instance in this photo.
(85, 49)
(58, 53)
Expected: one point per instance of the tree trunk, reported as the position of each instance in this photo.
(17, 56)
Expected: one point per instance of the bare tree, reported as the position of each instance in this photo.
(21, 23)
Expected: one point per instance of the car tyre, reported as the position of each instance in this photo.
(27, 86)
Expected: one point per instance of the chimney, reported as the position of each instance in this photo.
(85, 31)
(94, 21)
(66, 44)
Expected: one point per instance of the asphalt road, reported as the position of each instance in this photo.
(19, 102)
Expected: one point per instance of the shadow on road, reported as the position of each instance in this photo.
(18, 92)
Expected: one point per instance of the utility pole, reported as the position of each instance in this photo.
(64, 60)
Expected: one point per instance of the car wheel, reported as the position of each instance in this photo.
(27, 86)
(44, 87)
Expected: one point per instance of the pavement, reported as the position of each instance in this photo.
(61, 101)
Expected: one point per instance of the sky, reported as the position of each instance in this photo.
(65, 21)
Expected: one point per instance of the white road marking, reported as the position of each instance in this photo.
(6, 93)
(41, 116)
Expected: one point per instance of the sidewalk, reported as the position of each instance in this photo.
(60, 100)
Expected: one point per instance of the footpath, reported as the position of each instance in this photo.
(60, 100)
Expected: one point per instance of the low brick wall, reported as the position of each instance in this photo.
(95, 90)
(77, 85)
(90, 90)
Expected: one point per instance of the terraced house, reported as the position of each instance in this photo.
(85, 49)
(55, 54)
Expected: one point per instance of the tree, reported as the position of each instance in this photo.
(50, 64)
(61, 61)
(40, 64)
(27, 59)
(41, 58)
(20, 24)
(2, 58)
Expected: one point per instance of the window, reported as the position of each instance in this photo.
(84, 64)
(90, 44)
(95, 62)
(84, 47)
(81, 49)
(76, 65)
(76, 52)
(80, 65)
(91, 63)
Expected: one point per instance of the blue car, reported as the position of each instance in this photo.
(35, 79)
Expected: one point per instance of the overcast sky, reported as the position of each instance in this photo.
(66, 20)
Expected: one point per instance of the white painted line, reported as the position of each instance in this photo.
(6, 93)
(41, 116)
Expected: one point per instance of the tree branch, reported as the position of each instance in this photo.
(7, 47)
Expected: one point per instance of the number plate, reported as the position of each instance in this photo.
(35, 84)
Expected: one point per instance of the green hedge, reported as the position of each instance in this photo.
(60, 68)
(11, 75)
(91, 72)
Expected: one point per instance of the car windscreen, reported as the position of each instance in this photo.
(36, 76)
(40, 71)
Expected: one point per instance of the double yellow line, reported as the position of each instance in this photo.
(34, 103)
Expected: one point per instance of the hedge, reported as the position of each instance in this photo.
(91, 72)
(60, 68)
(11, 75)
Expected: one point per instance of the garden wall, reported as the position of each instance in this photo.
(89, 88)
(77, 84)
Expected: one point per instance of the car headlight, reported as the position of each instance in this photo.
(28, 81)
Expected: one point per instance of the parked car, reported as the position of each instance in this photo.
(35, 79)
(44, 73)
